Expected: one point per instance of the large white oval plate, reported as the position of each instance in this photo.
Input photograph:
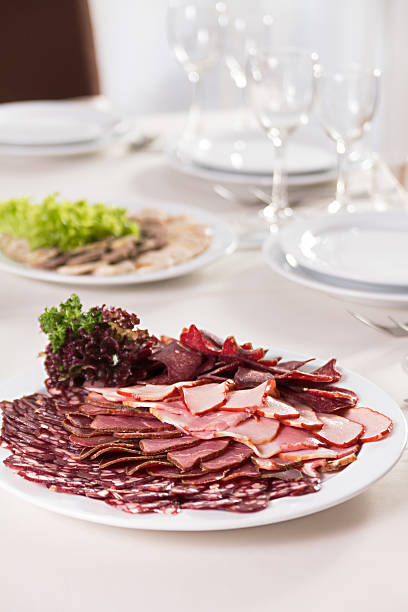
(374, 460)
(223, 242)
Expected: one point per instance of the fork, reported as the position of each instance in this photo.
(397, 330)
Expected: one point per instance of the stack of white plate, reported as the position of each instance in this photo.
(359, 256)
(56, 128)
(247, 157)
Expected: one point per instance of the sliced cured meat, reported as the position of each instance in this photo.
(294, 365)
(148, 392)
(111, 408)
(204, 478)
(204, 398)
(338, 430)
(78, 420)
(169, 432)
(172, 472)
(326, 400)
(375, 424)
(152, 446)
(329, 369)
(109, 393)
(125, 423)
(254, 431)
(180, 362)
(194, 339)
(226, 370)
(288, 438)
(276, 464)
(275, 408)
(187, 458)
(145, 465)
(235, 454)
(248, 400)
(310, 453)
(289, 475)
(337, 464)
(204, 426)
(232, 348)
(307, 419)
(310, 468)
(247, 377)
(94, 441)
(245, 470)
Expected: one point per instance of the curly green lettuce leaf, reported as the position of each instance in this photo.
(62, 223)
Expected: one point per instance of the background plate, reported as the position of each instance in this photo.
(374, 461)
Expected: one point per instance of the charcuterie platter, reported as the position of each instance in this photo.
(187, 433)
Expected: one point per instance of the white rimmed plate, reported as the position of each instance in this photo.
(374, 461)
(48, 123)
(284, 266)
(364, 247)
(223, 242)
(185, 165)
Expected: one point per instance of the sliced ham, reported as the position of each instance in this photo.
(155, 393)
(204, 398)
(109, 393)
(375, 424)
(338, 430)
(288, 438)
(277, 409)
(187, 458)
(310, 453)
(275, 464)
(204, 426)
(235, 454)
(153, 446)
(249, 400)
(254, 431)
(307, 419)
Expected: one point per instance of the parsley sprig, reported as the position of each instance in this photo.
(55, 321)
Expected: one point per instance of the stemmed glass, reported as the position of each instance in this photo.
(345, 103)
(280, 90)
(194, 35)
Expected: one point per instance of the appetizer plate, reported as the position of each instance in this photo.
(223, 242)
(366, 247)
(374, 461)
(183, 163)
(287, 266)
(50, 123)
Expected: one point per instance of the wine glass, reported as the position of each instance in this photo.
(280, 90)
(346, 102)
(194, 35)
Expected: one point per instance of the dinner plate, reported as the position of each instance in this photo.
(182, 163)
(364, 247)
(47, 123)
(374, 461)
(223, 242)
(287, 267)
(252, 153)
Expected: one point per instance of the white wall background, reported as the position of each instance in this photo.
(139, 73)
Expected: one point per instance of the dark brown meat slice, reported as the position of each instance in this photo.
(78, 419)
(127, 423)
(187, 458)
(291, 474)
(235, 454)
(159, 434)
(94, 441)
(152, 446)
(246, 469)
(204, 478)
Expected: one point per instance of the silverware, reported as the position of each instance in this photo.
(397, 330)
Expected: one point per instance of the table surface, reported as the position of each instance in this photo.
(350, 555)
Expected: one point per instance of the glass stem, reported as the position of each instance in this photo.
(279, 196)
(194, 111)
(341, 189)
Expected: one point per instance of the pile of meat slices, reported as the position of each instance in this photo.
(194, 444)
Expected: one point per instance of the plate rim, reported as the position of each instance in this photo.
(215, 520)
(222, 231)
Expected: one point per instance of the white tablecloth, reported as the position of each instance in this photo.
(349, 557)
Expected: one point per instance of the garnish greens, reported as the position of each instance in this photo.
(63, 224)
(55, 322)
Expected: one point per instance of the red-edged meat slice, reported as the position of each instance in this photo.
(235, 454)
(254, 431)
(307, 419)
(204, 426)
(288, 438)
(310, 468)
(109, 393)
(153, 446)
(375, 424)
(329, 369)
(94, 441)
(293, 365)
(187, 458)
(275, 464)
(338, 430)
(309, 453)
(326, 400)
(204, 398)
(247, 377)
(155, 393)
(249, 400)
(125, 423)
(277, 409)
